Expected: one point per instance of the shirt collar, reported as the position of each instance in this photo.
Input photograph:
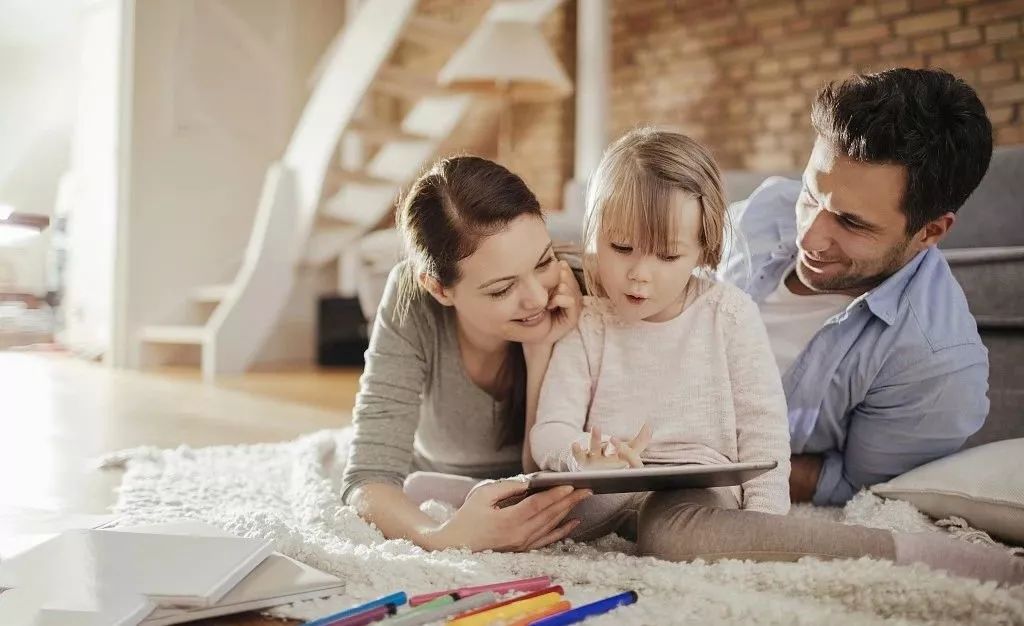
(884, 300)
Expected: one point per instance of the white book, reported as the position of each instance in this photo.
(276, 581)
(21, 528)
(172, 570)
(81, 607)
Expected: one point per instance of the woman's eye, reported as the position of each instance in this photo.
(546, 263)
(621, 248)
(501, 294)
(671, 258)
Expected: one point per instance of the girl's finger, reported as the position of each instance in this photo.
(642, 439)
(595, 440)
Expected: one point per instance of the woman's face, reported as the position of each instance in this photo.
(506, 284)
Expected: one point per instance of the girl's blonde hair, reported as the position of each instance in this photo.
(631, 192)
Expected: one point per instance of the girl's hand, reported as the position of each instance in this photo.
(619, 456)
(534, 522)
(564, 303)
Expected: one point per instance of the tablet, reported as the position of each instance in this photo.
(652, 477)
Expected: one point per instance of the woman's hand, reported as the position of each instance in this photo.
(564, 303)
(534, 522)
(620, 455)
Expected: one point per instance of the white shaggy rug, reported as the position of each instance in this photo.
(289, 492)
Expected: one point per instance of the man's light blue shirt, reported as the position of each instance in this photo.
(897, 379)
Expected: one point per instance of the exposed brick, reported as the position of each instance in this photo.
(893, 48)
(770, 13)
(1009, 135)
(928, 22)
(860, 14)
(929, 43)
(1002, 32)
(1012, 50)
(856, 35)
(799, 62)
(964, 58)
(997, 73)
(990, 12)
(1002, 114)
(862, 55)
(889, 8)
(812, 41)
(1009, 93)
(744, 85)
(964, 36)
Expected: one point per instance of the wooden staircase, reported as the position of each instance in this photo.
(312, 206)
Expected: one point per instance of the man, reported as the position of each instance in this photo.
(880, 357)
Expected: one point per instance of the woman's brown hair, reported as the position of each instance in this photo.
(443, 218)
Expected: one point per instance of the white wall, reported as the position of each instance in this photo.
(218, 85)
(88, 196)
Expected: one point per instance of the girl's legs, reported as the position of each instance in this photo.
(707, 524)
(604, 514)
(451, 488)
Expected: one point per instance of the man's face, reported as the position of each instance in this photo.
(851, 230)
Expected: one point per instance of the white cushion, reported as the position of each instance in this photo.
(983, 485)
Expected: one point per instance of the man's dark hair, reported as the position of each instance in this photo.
(929, 121)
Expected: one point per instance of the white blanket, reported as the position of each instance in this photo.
(288, 492)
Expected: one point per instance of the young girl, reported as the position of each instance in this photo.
(670, 365)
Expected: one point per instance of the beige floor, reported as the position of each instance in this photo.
(57, 414)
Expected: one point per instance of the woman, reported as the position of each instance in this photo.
(465, 327)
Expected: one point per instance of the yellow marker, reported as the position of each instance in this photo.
(528, 618)
(508, 611)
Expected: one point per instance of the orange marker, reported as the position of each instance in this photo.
(554, 609)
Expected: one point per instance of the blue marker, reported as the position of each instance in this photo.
(397, 599)
(581, 613)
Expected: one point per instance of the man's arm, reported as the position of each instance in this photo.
(926, 409)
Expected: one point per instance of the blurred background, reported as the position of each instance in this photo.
(211, 183)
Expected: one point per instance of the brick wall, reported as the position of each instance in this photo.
(740, 76)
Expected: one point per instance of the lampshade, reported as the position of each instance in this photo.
(507, 57)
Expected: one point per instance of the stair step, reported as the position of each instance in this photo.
(406, 84)
(378, 132)
(184, 335)
(336, 177)
(210, 294)
(432, 32)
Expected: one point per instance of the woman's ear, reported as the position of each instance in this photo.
(435, 289)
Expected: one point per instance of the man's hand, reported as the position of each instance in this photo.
(803, 476)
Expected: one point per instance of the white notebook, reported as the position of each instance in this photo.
(172, 570)
(42, 607)
(276, 581)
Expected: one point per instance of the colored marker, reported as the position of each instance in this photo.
(555, 589)
(509, 611)
(581, 613)
(433, 604)
(418, 618)
(525, 584)
(533, 616)
(367, 617)
(397, 599)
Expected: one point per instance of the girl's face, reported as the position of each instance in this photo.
(506, 284)
(648, 287)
